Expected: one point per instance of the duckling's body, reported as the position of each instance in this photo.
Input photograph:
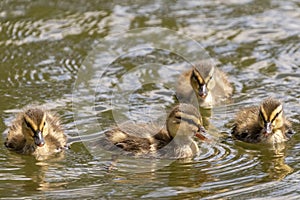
(204, 85)
(36, 132)
(175, 140)
(262, 124)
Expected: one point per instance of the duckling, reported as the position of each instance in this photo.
(262, 124)
(37, 132)
(204, 85)
(174, 140)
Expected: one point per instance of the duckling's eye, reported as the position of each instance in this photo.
(42, 128)
(209, 79)
(177, 120)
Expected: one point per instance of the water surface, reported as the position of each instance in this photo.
(46, 47)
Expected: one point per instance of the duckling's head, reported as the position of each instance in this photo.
(185, 121)
(202, 79)
(271, 116)
(34, 126)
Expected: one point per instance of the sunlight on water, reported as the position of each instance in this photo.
(76, 59)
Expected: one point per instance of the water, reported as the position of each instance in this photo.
(54, 51)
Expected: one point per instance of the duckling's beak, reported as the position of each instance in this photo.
(201, 133)
(268, 128)
(202, 91)
(38, 138)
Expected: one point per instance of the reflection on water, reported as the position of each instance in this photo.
(44, 48)
(31, 172)
(271, 159)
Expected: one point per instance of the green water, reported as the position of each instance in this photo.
(76, 59)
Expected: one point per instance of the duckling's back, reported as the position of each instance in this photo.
(133, 139)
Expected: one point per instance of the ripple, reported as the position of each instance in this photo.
(288, 188)
(225, 163)
(44, 43)
(26, 31)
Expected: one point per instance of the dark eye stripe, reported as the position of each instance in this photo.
(276, 116)
(29, 126)
(209, 79)
(177, 117)
(190, 121)
(196, 78)
(262, 117)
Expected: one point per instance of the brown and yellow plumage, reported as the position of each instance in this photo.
(204, 85)
(262, 124)
(37, 132)
(175, 140)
